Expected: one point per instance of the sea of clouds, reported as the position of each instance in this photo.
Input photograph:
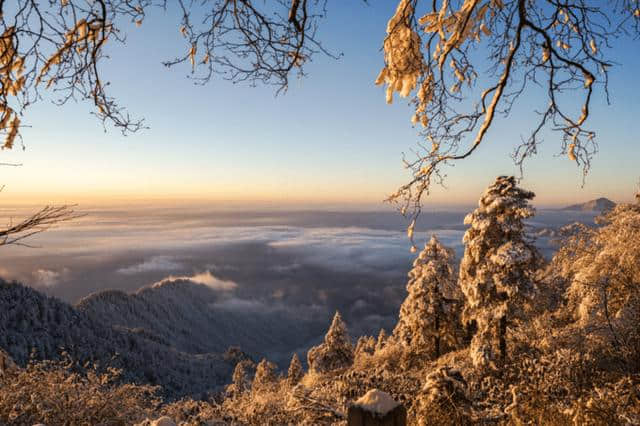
(355, 262)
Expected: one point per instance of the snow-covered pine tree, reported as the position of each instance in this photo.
(425, 321)
(444, 398)
(241, 380)
(335, 352)
(497, 269)
(295, 372)
(365, 345)
(265, 377)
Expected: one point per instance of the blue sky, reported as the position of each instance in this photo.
(331, 139)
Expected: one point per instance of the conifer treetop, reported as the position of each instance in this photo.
(337, 333)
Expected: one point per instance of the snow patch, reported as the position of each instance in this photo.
(376, 401)
(162, 421)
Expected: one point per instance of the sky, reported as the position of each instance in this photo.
(329, 140)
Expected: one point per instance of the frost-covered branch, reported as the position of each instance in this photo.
(431, 52)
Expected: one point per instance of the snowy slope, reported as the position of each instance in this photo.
(194, 318)
(32, 324)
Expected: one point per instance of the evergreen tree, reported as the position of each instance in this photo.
(365, 345)
(335, 352)
(497, 269)
(425, 319)
(240, 378)
(295, 372)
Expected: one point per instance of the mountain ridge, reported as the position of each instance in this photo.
(198, 319)
(40, 327)
(596, 205)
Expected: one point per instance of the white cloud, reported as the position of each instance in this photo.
(206, 278)
(156, 263)
(47, 277)
(362, 249)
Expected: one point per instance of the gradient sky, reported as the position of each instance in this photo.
(331, 139)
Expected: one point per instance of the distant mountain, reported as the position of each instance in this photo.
(196, 319)
(597, 205)
(183, 336)
(34, 325)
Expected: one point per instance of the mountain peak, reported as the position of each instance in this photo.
(598, 205)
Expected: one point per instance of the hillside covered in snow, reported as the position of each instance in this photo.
(37, 327)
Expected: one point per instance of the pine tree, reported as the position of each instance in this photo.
(240, 378)
(335, 352)
(365, 345)
(497, 269)
(265, 377)
(425, 319)
(295, 372)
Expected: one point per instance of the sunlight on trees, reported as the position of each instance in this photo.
(496, 272)
(574, 361)
(427, 321)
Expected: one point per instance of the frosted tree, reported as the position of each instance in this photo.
(295, 372)
(444, 398)
(602, 266)
(496, 272)
(365, 345)
(336, 352)
(265, 377)
(426, 320)
(241, 381)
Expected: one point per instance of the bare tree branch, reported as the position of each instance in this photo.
(44, 219)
